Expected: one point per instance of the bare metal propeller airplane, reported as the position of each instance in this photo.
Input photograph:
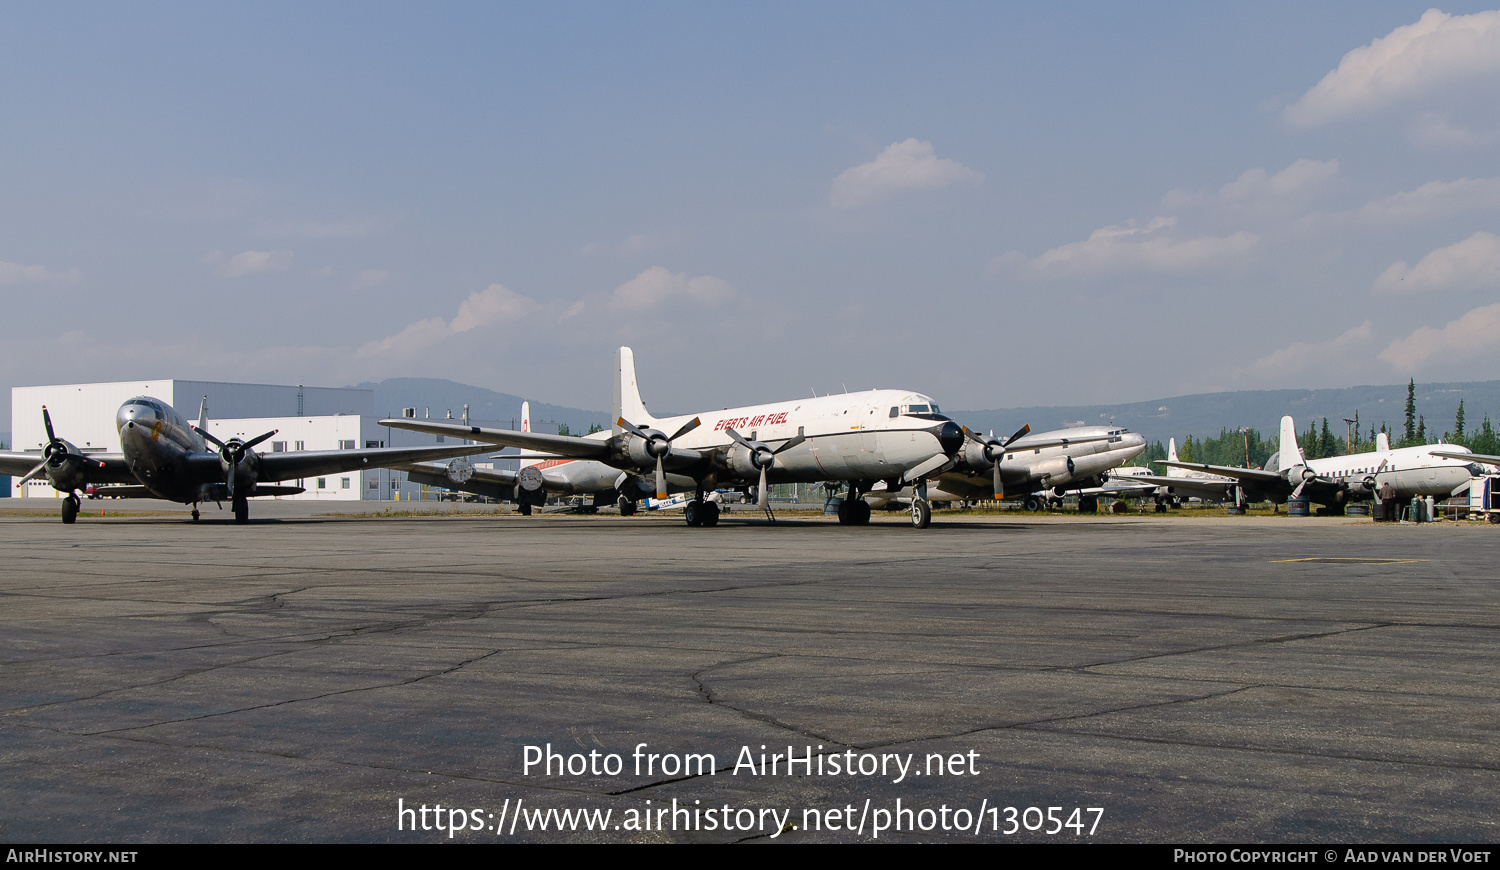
(165, 457)
(891, 435)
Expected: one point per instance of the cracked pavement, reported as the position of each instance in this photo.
(290, 680)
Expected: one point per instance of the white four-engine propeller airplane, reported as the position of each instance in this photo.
(165, 457)
(861, 438)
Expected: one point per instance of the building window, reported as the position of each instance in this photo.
(374, 444)
(344, 483)
(322, 483)
(346, 445)
(374, 484)
(278, 446)
(299, 445)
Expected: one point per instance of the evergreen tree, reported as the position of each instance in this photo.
(1186, 453)
(1411, 412)
(562, 429)
(1458, 424)
(1421, 430)
(1327, 445)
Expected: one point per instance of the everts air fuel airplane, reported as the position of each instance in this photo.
(165, 457)
(861, 438)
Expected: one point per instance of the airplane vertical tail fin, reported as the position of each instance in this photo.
(203, 414)
(628, 402)
(1291, 454)
(1382, 442)
(525, 416)
(1173, 471)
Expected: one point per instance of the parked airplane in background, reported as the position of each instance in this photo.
(1412, 471)
(545, 474)
(165, 457)
(1179, 483)
(1032, 466)
(892, 435)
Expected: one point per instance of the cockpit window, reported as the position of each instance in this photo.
(919, 409)
(895, 412)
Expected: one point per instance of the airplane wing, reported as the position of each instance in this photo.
(311, 463)
(1481, 458)
(1245, 475)
(109, 467)
(1030, 443)
(561, 445)
(1183, 485)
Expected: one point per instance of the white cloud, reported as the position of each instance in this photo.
(1411, 61)
(494, 304)
(1432, 201)
(1134, 248)
(1312, 358)
(15, 273)
(1473, 263)
(656, 285)
(1258, 189)
(1433, 130)
(1475, 334)
(250, 262)
(904, 166)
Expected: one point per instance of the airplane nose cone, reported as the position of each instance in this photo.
(951, 437)
(133, 414)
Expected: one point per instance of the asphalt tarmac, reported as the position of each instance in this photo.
(307, 678)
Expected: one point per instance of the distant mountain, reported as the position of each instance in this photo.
(1209, 413)
(437, 397)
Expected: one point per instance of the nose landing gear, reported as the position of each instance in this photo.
(70, 507)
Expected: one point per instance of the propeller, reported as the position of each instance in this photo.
(233, 453)
(762, 457)
(994, 449)
(56, 454)
(658, 445)
(1308, 476)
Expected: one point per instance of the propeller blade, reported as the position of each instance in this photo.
(209, 437)
(1024, 430)
(33, 472)
(970, 433)
(256, 441)
(792, 443)
(762, 498)
(999, 485)
(737, 439)
(631, 428)
(686, 428)
(47, 422)
(661, 480)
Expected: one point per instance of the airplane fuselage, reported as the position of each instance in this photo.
(157, 443)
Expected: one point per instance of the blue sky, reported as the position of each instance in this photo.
(997, 205)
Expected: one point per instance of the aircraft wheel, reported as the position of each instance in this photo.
(1033, 503)
(921, 514)
(844, 513)
(861, 514)
(70, 509)
(242, 510)
(195, 515)
(525, 509)
(627, 508)
(1088, 505)
(692, 512)
(710, 515)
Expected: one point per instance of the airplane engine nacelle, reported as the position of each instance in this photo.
(1054, 471)
(742, 461)
(529, 479)
(64, 471)
(972, 457)
(1369, 484)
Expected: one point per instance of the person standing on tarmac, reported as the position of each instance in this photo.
(1387, 495)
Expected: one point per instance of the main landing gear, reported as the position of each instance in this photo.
(195, 513)
(241, 509)
(627, 507)
(70, 507)
(701, 512)
(854, 511)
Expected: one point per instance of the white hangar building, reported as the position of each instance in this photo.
(307, 418)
